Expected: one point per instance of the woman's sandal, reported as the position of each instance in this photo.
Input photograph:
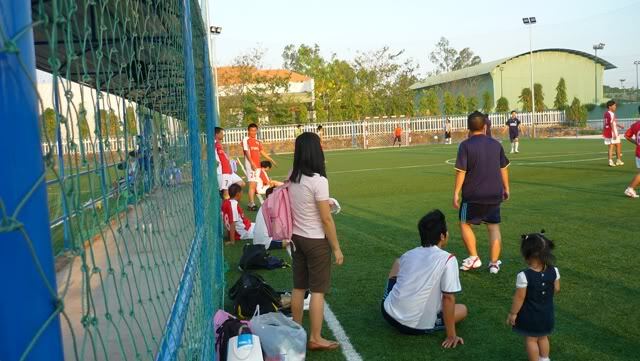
(312, 346)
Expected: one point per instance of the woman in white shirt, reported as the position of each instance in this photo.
(314, 236)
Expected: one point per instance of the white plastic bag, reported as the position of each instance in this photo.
(281, 338)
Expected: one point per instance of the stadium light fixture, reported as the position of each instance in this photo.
(636, 63)
(215, 30)
(529, 21)
(596, 47)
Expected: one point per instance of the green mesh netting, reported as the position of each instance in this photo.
(119, 177)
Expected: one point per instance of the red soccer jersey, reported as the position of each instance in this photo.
(264, 177)
(233, 216)
(398, 132)
(254, 147)
(634, 131)
(609, 129)
(224, 160)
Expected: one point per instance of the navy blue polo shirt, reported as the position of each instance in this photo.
(481, 157)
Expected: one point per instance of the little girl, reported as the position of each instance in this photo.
(532, 313)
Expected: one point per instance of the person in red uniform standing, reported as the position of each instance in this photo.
(633, 135)
(610, 133)
(252, 149)
(226, 176)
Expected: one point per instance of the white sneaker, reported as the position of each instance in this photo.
(494, 267)
(631, 193)
(619, 162)
(471, 262)
(611, 163)
(511, 152)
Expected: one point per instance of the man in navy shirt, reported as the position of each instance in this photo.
(482, 176)
(513, 124)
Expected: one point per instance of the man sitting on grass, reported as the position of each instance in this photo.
(420, 295)
(237, 224)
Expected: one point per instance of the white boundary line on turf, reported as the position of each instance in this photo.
(349, 352)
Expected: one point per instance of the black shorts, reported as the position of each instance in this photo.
(475, 213)
(447, 135)
(439, 326)
(398, 138)
(513, 137)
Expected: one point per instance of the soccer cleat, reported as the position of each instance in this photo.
(619, 162)
(494, 268)
(611, 163)
(252, 208)
(631, 193)
(471, 262)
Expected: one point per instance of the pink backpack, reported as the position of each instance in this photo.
(276, 211)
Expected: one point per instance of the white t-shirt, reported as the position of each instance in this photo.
(425, 273)
(260, 234)
(304, 195)
(521, 279)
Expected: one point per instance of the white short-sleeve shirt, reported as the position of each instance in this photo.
(260, 234)
(303, 196)
(425, 274)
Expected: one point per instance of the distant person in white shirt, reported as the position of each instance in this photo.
(420, 295)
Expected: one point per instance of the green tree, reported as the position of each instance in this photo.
(83, 124)
(577, 113)
(539, 94)
(472, 104)
(502, 105)
(525, 99)
(487, 102)
(428, 103)
(49, 125)
(132, 124)
(461, 104)
(449, 103)
(303, 114)
(560, 101)
(109, 124)
(446, 58)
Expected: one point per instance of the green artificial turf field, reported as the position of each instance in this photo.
(562, 186)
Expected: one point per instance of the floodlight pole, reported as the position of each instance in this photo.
(596, 47)
(529, 22)
(636, 63)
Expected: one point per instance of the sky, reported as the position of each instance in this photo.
(493, 29)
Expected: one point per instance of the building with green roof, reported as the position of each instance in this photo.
(508, 76)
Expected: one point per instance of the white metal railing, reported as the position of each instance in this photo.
(598, 123)
(349, 129)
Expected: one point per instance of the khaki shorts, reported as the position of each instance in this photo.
(311, 264)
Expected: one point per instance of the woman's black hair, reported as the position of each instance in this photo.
(308, 157)
(538, 246)
(431, 228)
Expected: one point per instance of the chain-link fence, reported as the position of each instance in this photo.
(111, 177)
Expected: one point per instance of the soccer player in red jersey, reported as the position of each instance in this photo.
(610, 133)
(633, 135)
(226, 176)
(252, 149)
(236, 223)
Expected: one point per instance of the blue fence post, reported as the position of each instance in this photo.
(172, 337)
(213, 242)
(30, 304)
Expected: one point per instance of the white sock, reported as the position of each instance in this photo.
(544, 359)
(517, 143)
(513, 147)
